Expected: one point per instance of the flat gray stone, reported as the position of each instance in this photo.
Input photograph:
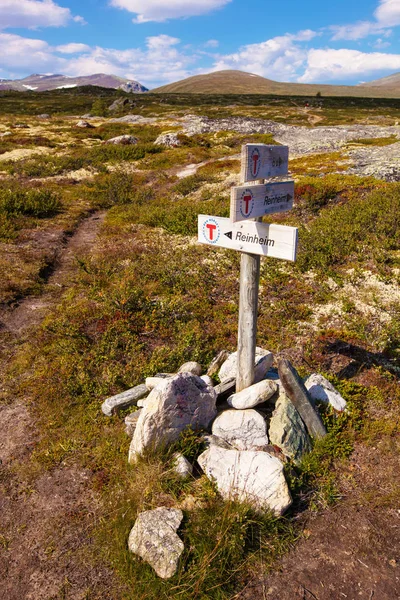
(124, 140)
(298, 395)
(255, 394)
(179, 402)
(321, 389)
(124, 400)
(263, 363)
(154, 539)
(287, 430)
(242, 429)
(248, 476)
(131, 422)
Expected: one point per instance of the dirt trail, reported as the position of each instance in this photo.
(31, 310)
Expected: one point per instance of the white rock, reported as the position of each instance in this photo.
(242, 429)
(142, 403)
(124, 140)
(321, 389)
(182, 466)
(263, 363)
(179, 402)
(287, 430)
(84, 125)
(207, 380)
(169, 139)
(154, 538)
(255, 394)
(247, 476)
(191, 367)
(153, 382)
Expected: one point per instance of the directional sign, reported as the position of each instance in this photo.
(259, 200)
(262, 161)
(278, 241)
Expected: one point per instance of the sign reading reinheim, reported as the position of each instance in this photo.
(259, 200)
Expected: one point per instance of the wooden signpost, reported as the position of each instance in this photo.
(253, 238)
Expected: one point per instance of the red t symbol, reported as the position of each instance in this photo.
(255, 158)
(211, 228)
(247, 199)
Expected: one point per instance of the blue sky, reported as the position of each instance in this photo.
(160, 41)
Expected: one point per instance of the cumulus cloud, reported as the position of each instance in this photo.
(278, 58)
(388, 13)
(25, 54)
(162, 10)
(31, 14)
(341, 65)
(72, 48)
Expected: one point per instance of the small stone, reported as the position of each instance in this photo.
(191, 367)
(298, 395)
(242, 429)
(207, 380)
(287, 430)
(169, 139)
(262, 364)
(5, 134)
(154, 539)
(121, 401)
(153, 382)
(131, 422)
(253, 395)
(216, 363)
(179, 402)
(84, 124)
(124, 140)
(43, 116)
(248, 476)
(321, 389)
(182, 466)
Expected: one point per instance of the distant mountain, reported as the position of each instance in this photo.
(239, 82)
(391, 81)
(41, 83)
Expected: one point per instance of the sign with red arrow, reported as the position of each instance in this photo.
(258, 200)
(260, 161)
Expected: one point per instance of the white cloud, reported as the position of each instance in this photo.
(24, 54)
(72, 48)
(341, 65)
(277, 58)
(31, 14)
(161, 10)
(388, 13)
(356, 31)
(211, 44)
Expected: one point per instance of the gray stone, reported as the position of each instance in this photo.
(43, 116)
(242, 429)
(287, 430)
(207, 380)
(154, 539)
(5, 134)
(248, 476)
(227, 387)
(321, 389)
(84, 125)
(216, 363)
(298, 395)
(169, 139)
(262, 365)
(152, 382)
(131, 422)
(179, 402)
(255, 394)
(191, 367)
(124, 400)
(124, 140)
(142, 403)
(182, 466)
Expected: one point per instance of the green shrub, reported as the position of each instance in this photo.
(32, 203)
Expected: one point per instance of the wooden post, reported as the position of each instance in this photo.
(247, 330)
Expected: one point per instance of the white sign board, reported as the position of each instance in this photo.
(260, 161)
(277, 241)
(259, 200)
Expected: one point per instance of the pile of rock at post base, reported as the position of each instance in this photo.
(252, 434)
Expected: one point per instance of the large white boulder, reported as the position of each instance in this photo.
(287, 430)
(153, 538)
(263, 363)
(248, 476)
(321, 389)
(255, 394)
(242, 429)
(175, 404)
